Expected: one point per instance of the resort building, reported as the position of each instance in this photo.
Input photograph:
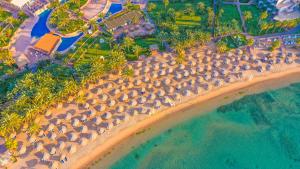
(114, 23)
(35, 7)
(287, 9)
(42, 50)
(48, 44)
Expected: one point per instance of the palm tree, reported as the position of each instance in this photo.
(166, 3)
(137, 49)
(263, 16)
(247, 15)
(128, 42)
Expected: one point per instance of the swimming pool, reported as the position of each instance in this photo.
(40, 29)
(114, 8)
(68, 42)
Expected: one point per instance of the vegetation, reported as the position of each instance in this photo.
(232, 42)
(8, 26)
(66, 18)
(227, 21)
(259, 23)
(275, 45)
(7, 63)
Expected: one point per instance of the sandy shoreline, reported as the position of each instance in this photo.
(98, 148)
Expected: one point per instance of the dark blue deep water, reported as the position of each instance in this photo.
(259, 131)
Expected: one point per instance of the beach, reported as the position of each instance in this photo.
(94, 151)
(74, 134)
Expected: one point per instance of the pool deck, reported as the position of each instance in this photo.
(93, 7)
(22, 40)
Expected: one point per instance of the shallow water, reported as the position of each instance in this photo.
(259, 131)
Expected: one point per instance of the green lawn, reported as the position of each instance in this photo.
(252, 24)
(230, 12)
(147, 41)
(184, 20)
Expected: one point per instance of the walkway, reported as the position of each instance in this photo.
(93, 8)
(22, 40)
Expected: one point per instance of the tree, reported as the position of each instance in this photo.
(201, 7)
(11, 144)
(93, 24)
(162, 37)
(166, 3)
(137, 49)
(263, 16)
(275, 45)
(263, 26)
(116, 61)
(210, 17)
(10, 122)
(128, 73)
(151, 7)
(128, 42)
(247, 15)
(298, 41)
(54, 4)
(222, 47)
(33, 128)
(250, 42)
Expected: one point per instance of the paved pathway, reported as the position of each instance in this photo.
(22, 40)
(93, 8)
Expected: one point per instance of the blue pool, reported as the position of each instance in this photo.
(67, 42)
(40, 29)
(114, 8)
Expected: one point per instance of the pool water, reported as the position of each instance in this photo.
(114, 8)
(40, 29)
(259, 131)
(67, 42)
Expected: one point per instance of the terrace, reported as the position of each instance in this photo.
(124, 19)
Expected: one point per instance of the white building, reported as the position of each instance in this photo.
(287, 9)
(19, 3)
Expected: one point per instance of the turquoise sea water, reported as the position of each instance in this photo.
(260, 131)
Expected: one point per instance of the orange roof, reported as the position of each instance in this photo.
(47, 43)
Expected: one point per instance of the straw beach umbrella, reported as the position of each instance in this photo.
(32, 139)
(22, 150)
(100, 108)
(39, 146)
(75, 122)
(52, 150)
(54, 165)
(83, 141)
(61, 145)
(103, 97)
(111, 103)
(68, 116)
(63, 129)
(98, 120)
(52, 135)
(83, 129)
(124, 97)
(101, 130)
(133, 103)
(73, 136)
(142, 100)
(45, 156)
(72, 149)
